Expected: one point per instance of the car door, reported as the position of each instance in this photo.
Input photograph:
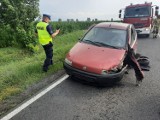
(133, 39)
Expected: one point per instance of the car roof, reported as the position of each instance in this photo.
(116, 25)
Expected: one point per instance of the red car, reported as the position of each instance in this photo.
(99, 55)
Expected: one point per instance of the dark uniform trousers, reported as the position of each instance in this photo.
(49, 55)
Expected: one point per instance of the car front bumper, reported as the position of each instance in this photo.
(92, 77)
(143, 31)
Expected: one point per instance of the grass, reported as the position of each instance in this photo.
(19, 69)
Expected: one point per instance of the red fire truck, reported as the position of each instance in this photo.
(141, 16)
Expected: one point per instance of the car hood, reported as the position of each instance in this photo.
(94, 59)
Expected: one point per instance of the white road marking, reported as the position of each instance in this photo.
(33, 99)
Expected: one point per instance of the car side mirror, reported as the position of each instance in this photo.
(156, 13)
(157, 7)
(119, 15)
(120, 11)
(156, 10)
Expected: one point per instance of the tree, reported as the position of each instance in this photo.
(77, 20)
(88, 19)
(96, 19)
(59, 20)
(19, 15)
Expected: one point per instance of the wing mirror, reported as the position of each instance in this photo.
(157, 7)
(156, 10)
(156, 13)
(120, 11)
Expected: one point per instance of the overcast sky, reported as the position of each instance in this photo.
(82, 9)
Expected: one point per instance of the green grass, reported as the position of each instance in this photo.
(19, 69)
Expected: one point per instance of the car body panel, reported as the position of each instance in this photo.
(115, 25)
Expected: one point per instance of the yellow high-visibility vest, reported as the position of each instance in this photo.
(43, 35)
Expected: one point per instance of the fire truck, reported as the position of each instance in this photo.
(141, 16)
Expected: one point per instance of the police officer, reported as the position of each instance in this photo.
(45, 35)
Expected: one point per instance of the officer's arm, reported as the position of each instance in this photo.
(50, 31)
(55, 33)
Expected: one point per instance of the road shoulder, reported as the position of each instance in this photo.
(12, 102)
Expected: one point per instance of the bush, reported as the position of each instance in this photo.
(6, 36)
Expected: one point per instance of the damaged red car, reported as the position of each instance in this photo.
(99, 55)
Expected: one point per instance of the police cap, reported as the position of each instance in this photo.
(46, 15)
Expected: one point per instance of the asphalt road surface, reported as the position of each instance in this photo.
(72, 100)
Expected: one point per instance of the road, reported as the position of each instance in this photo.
(72, 100)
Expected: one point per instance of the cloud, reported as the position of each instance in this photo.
(84, 14)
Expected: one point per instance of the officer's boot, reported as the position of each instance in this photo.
(46, 64)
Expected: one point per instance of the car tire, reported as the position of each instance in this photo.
(143, 61)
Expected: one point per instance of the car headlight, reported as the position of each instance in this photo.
(112, 70)
(69, 62)
(146, 29)
(104, 72)
(120, 65)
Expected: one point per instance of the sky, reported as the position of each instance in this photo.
(83, 9)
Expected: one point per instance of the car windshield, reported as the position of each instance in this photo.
(106, 37)
(137, 11)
